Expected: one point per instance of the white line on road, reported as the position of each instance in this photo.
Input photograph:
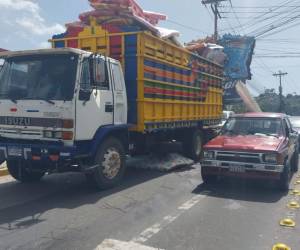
(155, 228)
(135, 243)
(110, 244)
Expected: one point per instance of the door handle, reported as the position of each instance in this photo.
(109, 108)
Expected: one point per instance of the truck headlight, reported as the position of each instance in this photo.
(57, 134)
(270, 158)
(209, 155)
(48, 134)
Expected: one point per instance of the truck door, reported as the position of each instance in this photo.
(97, 111)
(119, 92)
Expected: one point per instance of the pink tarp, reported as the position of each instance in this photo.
(119, 12)
(130, 6)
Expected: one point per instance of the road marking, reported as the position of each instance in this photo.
(157, 227)
(293, 204)
(110, 244)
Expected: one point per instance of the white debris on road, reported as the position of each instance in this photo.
(159, 162)
(3, 165)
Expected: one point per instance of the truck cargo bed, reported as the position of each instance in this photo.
(167, 86)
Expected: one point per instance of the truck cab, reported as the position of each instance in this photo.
(56, 107)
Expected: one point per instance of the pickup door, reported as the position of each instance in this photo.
(292, 138)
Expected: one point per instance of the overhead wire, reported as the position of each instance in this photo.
(273, 26)
(187, 26)
(257, 19)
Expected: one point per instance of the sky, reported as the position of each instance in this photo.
(28, 24)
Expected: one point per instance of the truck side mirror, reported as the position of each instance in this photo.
(85, 94)
(98, 73)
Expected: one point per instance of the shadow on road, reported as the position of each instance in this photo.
(243, 190)
(67, 191)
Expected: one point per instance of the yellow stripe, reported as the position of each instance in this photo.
(140, 87)
(170, 84)
(91, 36)
(206, 74)
(156, 100)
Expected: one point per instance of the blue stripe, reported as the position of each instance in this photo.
(131, 72)
(166, 67)
(165, 79)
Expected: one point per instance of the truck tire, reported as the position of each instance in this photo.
(208, 178)
(295, 162)
(193, 145)
(284, 181)
(110, 159)
(22, 174)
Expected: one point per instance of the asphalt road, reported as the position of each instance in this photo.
(150, 210)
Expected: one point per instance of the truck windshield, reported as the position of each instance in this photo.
(42, 77)
(253, 126)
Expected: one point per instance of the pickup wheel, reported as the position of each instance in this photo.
(110, 159)
(295, 161)
(208, 178)
(284, 181)
(193, 145)
(19, 171)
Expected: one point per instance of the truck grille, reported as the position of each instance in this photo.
(238, 157)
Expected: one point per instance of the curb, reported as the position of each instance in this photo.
(4, 172)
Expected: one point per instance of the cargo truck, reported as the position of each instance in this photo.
(84, 108)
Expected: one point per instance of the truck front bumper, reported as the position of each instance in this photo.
(243, 170)
(37, 152)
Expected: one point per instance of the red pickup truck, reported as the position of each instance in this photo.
(253, 145)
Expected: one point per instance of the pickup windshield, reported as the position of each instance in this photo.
(42, 77)
(253, 126)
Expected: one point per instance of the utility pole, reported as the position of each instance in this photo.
(214, 4)
(280, 75)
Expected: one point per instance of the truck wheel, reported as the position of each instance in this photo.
(208, 178)
(284, 182)
(22, 174)
(110, 159)
(295, 162)
(192, 145)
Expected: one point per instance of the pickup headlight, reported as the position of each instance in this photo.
(209, 155)
(270, 158)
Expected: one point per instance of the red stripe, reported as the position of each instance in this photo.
(174, 92)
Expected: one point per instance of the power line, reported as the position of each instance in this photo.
(272, 26)
(267, 15)
(283, 29)
(238, 20)
(262, 7)
(186, 26)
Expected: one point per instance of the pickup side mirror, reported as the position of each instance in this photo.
(287, 132)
